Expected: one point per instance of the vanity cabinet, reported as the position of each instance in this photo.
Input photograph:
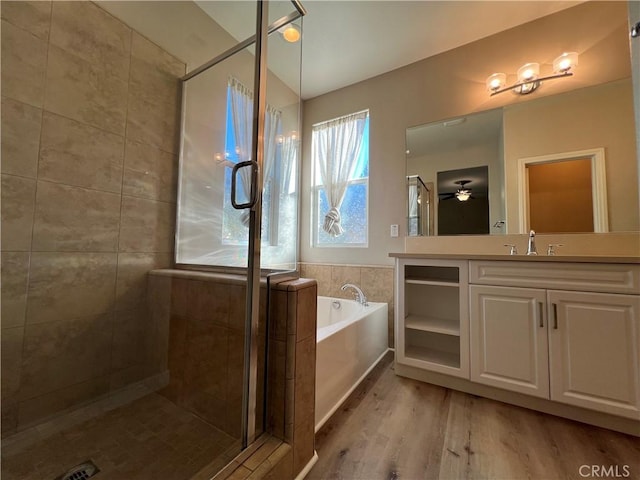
(432, 304)
(576, 347)
(509, 345)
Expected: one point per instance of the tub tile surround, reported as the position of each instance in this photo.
(89, 171)
(376, 281)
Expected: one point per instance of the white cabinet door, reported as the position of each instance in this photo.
(509, 346)
(593, 351)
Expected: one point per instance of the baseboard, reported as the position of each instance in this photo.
(307, 468)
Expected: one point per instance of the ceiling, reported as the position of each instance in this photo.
(345, 42)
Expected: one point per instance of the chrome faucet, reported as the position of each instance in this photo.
(531, 247)
(360, 296)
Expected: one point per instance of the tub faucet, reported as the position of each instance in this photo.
(360, 296)
(531, 247)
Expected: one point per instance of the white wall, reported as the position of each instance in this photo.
(449, 85)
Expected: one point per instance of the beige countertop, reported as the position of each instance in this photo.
(523, 258)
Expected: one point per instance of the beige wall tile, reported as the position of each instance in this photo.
(151, 84)
(89, 93)
(39, 408)
(64, 353)
(131, 285)
(278, 315)
(277, 385)
(12, 339)
(238, 306)
(86, 30)
(77, 154)
(305, 377)
(18, 200)
(207, 305)
(24, 60)
(15, 272)
(377, 283)
(179, 298)
(159, 306)
(75, 219)
(304, 403)
(321, 274)
(303, 444)
(306, 313)
(69, 285)
(128, 375)
(20, 138)
(210, 407)
(146, 225)
(35, 17)
(154, 123)
(9, 419)
(344, 274)
(176, 358)
(206, 365)
(133, 334)
(149, 52)
(154, 97)
(150, 173)
(235, 366)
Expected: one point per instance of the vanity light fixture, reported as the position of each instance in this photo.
(529, 75)
(290, 33)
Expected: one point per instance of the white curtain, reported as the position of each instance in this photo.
(242, 116)
(289, 161)
(336, 147)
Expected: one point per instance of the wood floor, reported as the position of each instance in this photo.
(393, 428)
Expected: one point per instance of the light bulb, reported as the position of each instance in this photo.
(496, 81)
(528, 72)
(291, 33)
(463, 195)
(565, 62)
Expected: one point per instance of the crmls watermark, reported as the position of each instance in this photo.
(604, 471)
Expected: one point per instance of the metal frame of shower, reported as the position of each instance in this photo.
(263, 29)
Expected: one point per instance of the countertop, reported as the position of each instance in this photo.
(522, 258)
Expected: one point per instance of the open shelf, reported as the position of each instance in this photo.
(430, 355)
(437, 282)
(432, 324)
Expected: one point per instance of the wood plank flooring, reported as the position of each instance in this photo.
(393, 428)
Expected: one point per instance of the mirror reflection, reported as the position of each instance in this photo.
(543, 131)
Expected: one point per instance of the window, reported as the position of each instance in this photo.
(237, 149)
(340, 183)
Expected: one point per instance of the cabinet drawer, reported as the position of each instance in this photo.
(586, 277)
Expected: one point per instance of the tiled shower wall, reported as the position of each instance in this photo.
(90, 128)
(375, 281)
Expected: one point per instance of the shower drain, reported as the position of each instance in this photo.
(80, 472)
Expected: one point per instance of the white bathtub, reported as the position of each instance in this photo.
(351, 341)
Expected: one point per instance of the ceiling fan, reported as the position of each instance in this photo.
(462, 194)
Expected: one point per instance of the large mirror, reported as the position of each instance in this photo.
(566, 151)
(532, 151)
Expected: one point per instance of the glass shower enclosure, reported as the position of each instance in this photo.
(238, 181)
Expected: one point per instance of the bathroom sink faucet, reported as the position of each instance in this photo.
(360, 296)
(531, 247)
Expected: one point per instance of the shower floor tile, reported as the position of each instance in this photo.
(150, 438)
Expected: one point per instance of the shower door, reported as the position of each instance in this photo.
(237, 201)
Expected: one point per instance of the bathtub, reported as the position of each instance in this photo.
(351, 340)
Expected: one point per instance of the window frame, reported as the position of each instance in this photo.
(315, 196)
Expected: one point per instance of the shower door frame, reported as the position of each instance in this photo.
(253, 270)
